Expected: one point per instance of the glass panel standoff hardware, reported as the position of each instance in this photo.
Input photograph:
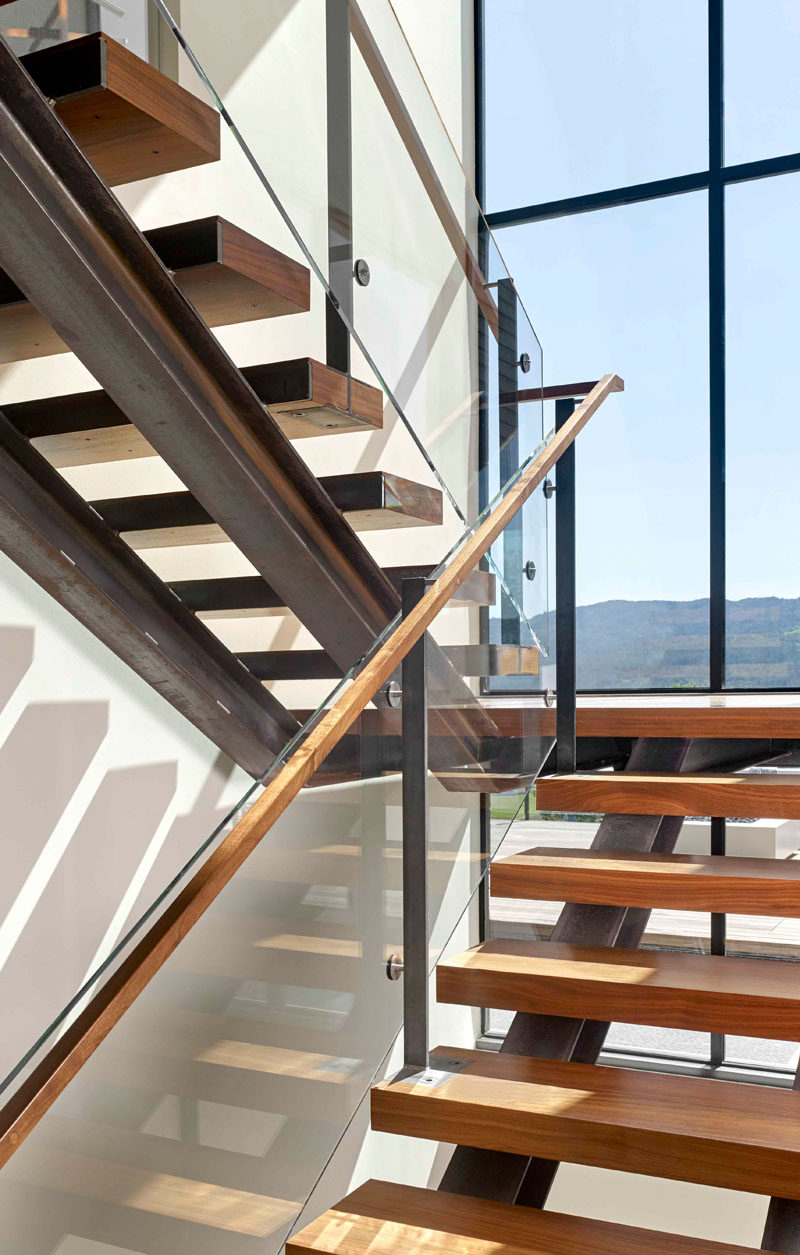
(361, 272)
(394, 966)
(394, 694)
(529, 570)
(548, 488)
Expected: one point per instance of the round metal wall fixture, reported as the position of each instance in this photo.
(394, 694)
(524, 363)
(548, 488)
(549, 698)
(361, 272)
(530, 570)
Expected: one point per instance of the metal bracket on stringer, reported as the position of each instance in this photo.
(432, 1078)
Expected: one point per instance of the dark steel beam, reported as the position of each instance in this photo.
(566, 656)
(716, 347)
(416, 953)
(340, 184)
(57, 539)
(70, 247)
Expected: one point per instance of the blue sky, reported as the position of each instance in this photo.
(589, 94)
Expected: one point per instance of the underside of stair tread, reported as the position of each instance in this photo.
(305, 398)
(705, 992)
(249, 594)
(368, 500)
(484, 780)
(696, 882)
(713, 1132)
(733, 796)
(315, 664)
(381, 1216)
(229, 276)
(130, 120)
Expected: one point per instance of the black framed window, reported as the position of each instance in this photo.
(641, 169)
(639, 165)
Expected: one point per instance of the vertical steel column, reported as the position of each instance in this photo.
(565, 600)
(415, 838)
(718, 930)
(716, 345)
(340, 183)
(508, 421)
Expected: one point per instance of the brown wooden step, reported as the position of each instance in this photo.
(735, 796)
(728, 715)
(228, 275)
(131, 121)
(484, 780)
(305, 398)
(739, 1137)
(381, 1217)
(678, 882)
(368, 500)
(704, 992)
(468, 660)
(248, 595)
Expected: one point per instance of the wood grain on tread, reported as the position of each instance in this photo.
(131, 121)
(740, 1137)
(733, 796)
(381, 1217)
(705, 992)
(227, 274)
(680, 882)
(731, 715)
(84, 428)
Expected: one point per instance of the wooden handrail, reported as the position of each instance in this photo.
(68, 1055)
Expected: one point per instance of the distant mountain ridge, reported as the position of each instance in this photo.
(664, 644)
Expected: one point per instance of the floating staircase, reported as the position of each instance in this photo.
(132, 122)
(512, 1113)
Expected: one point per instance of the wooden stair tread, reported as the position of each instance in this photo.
(368, 500)
(729, 715)
(725, 796)
(315, 664)
(130, 120)
(304, 397)
(681, 882)
(706, 992)
(475, 780)
(251, 595)
(381, 1216)
(736, 1136)
(229, 276)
